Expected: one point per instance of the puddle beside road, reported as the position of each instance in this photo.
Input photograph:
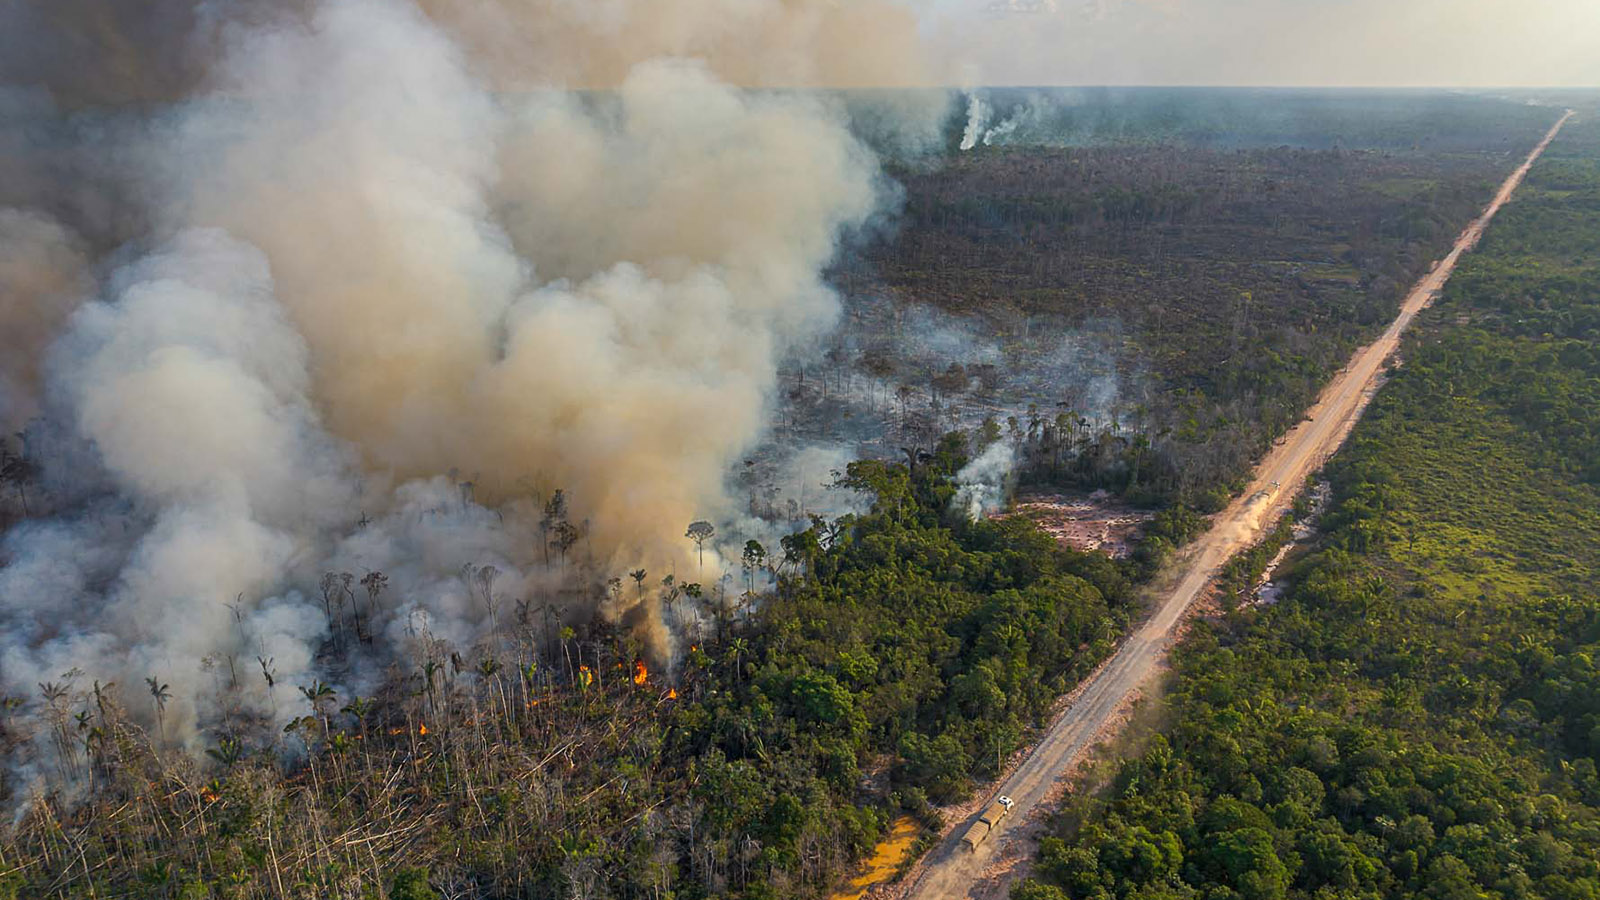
(885, 860)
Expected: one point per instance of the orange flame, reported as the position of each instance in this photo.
(422, 729)
(672, 693)
(208, 795)
(640, 673)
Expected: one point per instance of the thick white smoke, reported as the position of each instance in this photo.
(783, 44)
(617, 337)
(389, 313)
(193, 388)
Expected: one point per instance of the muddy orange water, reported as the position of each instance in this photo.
(885, 860)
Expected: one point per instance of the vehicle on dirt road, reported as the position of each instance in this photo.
(981, 829)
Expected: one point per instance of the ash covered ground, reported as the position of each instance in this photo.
(897, 376)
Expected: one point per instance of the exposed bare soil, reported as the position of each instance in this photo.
(1094, 522)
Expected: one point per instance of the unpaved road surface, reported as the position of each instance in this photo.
(950, 871)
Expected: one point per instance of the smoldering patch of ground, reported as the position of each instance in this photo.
(897, 376)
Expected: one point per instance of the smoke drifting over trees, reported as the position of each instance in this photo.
(373, 313)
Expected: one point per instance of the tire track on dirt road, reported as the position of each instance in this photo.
(950, 871)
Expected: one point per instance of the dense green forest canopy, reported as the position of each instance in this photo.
(1418, 716)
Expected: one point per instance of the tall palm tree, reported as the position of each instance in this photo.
(228, 752)
(162, 693)
(321, 697)
(737, 648)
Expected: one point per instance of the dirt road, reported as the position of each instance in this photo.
(951, 871)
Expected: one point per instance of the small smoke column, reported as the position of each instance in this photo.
(977, 122)
(1026, 122)
(1000, 132)
(982, 484)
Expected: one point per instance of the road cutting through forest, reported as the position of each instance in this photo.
(951, 870)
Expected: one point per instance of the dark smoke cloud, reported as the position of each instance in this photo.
(94, 53)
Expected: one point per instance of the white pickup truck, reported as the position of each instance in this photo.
(981, 829)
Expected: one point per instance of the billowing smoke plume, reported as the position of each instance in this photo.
(747, 43)
(384, 312)
(616, 337)
(193, 388)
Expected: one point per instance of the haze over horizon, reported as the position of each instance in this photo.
(84, 53)
(1269, 43)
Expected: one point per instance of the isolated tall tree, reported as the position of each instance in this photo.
(555, 513)
(330, 590)
(321, 697)
(162, 693)
(988, 433)
(567, 536)
(737, 648)
(754, 558)
(346, 592)
(480, 580)
(700, 532)
(903, 394)
(374, 582)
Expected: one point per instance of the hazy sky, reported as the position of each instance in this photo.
(1270, 42)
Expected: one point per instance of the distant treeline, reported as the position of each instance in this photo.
(1229, 118)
